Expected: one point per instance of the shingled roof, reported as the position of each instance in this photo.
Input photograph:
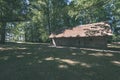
(94, 29)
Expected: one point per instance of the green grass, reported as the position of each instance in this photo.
(28, 61)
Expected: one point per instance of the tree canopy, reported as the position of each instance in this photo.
(13, 10)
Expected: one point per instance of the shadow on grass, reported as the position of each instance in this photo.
(114, 47)
(26, 61)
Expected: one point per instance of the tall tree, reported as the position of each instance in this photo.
(11, 11)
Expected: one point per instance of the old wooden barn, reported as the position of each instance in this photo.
(90, 35)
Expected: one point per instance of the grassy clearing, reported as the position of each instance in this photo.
(26, 61)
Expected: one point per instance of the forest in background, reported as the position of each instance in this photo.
(35, 20)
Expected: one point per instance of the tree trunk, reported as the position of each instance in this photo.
(48, 17)
(3, 26)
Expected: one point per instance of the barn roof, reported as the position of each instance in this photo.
(94, 29)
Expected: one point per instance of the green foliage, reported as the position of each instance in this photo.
(48, 16)
(116, 38)
(13, 10)
(15, 31)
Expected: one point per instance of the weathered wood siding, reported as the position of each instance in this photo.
(90, 42)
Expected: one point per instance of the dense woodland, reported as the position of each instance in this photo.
(35, 20)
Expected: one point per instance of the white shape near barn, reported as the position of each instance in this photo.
(90, 35)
